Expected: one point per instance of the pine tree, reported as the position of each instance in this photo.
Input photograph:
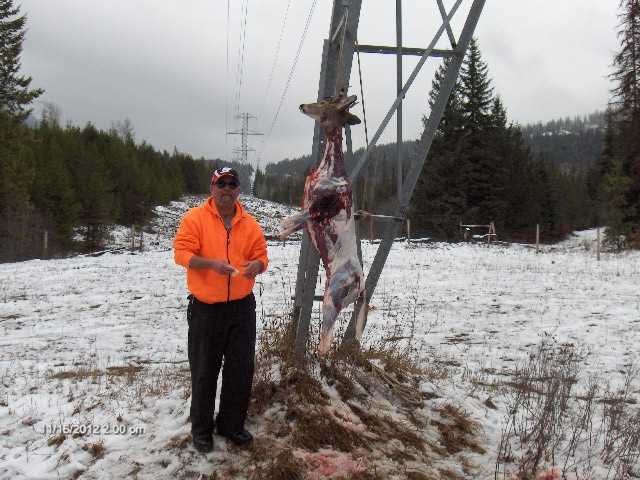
(625, 178)
(439, 199)
(15, 94)
(18, 219)
(475, 88)
(616, 186)
(486, 146)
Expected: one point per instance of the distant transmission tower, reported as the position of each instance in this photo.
(244, 132)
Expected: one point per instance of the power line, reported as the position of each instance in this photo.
(226, 91)
(273, 68)
(241, 51)
(277, 53)
(293, 68)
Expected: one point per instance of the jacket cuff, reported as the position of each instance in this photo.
(183, 257)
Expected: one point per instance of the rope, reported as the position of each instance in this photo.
(365, 214)
(364, 111)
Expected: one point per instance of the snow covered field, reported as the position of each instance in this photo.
(74, 332)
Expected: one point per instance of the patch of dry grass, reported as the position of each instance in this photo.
(284, 466)
(95, 449)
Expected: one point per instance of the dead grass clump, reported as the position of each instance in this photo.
(332, 372)
(284, 466)
(457, 433)
(96, 449)
(448, 474)
(128, 371)
(388, 429)
(315, 430)
(79, 374)
(460, 418)
(262, 395)
(56, 440)
(399, 363)
(362, 476)
(179, 442)
(304, 387)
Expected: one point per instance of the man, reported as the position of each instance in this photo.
(223, 249)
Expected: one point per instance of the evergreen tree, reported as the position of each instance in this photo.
(15, 94)
(623, 159)
(475, 88)
(486, 146)
(17, 214)
(616, 186)
(439, 199)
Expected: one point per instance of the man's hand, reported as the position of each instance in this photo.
(219, 266)
(223, 268)
(252, 268)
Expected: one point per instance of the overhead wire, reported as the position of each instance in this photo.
(277, 52)
(273, 68)
(292, 70)
(241, 51)
(226, 93)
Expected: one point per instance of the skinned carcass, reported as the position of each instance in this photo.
(328, 216)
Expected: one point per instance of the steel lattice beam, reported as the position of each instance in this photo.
(335, 71)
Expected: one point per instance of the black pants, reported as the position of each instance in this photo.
(217, 331)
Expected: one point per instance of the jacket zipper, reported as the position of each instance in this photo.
(229, 262)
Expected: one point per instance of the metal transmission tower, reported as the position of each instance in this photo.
(337, 56)
(245, 132)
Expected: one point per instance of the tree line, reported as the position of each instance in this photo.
(480, 169)
(565, 175)
(615, 179)
(70, 183)
(568, 142)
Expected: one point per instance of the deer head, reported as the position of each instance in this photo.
(332, 112)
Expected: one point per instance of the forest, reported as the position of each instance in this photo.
(69, 184)
(563, 175)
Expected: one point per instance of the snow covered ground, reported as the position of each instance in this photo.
(75, 332)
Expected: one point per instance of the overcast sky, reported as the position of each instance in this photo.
(164, 65)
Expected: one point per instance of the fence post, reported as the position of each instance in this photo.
(371, 229)
(598, 243)
(408, 231)
(45, 245)
(537, 238)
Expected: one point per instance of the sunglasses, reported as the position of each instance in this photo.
(232, 184)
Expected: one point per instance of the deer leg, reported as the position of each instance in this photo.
(293, 223)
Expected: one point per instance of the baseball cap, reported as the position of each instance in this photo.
(218, 173)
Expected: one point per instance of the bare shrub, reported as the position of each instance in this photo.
(550, 423)
(538, 408)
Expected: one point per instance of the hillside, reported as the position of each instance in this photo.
(567, 143)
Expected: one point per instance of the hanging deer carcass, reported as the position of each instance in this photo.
(328, 216)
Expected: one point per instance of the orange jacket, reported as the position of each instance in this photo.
(202, 232)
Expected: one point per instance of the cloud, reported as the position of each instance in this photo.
(164, 65)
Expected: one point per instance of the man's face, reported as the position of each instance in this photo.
(225, 191)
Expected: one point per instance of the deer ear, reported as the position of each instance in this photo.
(351, 119)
